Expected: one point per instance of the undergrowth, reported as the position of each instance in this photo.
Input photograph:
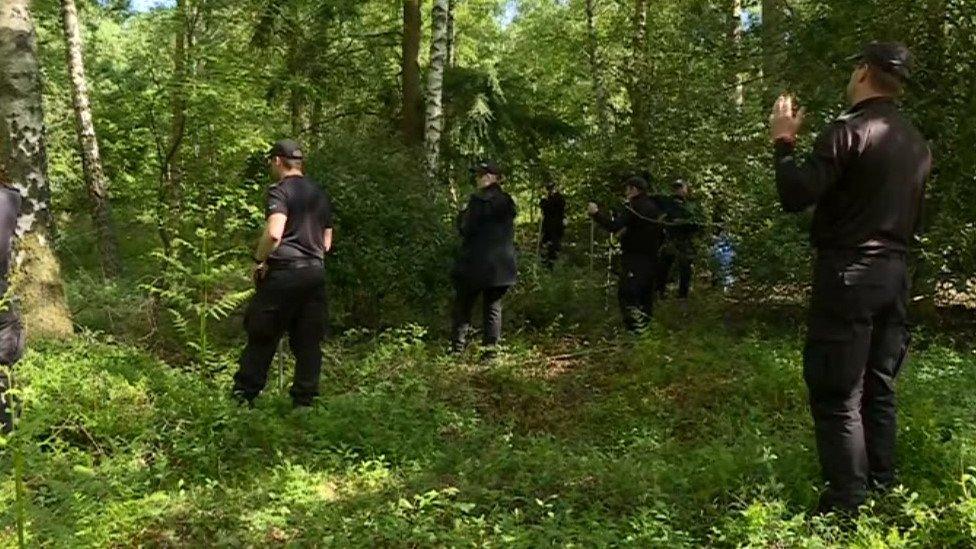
(696, 434)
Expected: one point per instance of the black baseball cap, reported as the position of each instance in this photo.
(287, 148)
(486, 166)
(891, 57)
(636, 182)
(679, 184)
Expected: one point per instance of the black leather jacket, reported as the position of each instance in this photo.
(866, 178)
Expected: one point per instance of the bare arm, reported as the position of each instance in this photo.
(327, 240)
(271, 237)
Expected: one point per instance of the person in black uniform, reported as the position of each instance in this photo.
(486, 266)
(679, 247)
(290, 280)
(553, 208)
(639, 226)
(866, 180)
(11, 328)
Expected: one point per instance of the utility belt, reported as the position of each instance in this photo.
(291, 264)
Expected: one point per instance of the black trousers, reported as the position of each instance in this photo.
(635, 290)
(551, 246)
(291, 301)
(464, 301)
(11, 350)
(684, 260)
(857, 342)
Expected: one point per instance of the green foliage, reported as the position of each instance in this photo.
(692, 436)
(192, 288)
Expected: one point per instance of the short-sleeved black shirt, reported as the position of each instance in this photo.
(309, 212)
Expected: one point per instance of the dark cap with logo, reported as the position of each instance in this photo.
(891, 57)
(287, 148)
(486, 166)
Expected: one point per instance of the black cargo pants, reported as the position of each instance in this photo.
(683, 256)
(856, 345)
(464, 302)
(292, 301)
(635, 289)
(552, 243)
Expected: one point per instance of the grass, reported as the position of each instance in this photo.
(694, 435)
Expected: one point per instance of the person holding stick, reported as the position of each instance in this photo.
(640, 228)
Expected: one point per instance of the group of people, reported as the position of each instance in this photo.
(864, 180)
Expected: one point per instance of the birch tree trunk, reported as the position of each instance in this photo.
(434, 126)
(411, 117)
(599, 91)
(738, 31)
(36, 276)
(449, 62)
(91, 160)
(638, 67)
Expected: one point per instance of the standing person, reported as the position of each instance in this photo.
(679, 247)
(553, 207)
(486, 265)
(290, 280)
(638, 225)
(866, 179)
(11, 328)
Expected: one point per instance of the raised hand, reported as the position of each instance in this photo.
(785, 121)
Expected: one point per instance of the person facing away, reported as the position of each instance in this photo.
(639, 227)
(11, 327)
(679, 248)
(553, 207)
(865, 179)
(289, 277)
(486, 264)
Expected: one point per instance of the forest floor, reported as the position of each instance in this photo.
(696, 434)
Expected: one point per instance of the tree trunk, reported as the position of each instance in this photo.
(36, 277)
(638, 67)
(449, 62)
(435, 86)
(411, 117)
(774, 47)
(170, 171)
(738, 30)
(91, 159)
(599, 91)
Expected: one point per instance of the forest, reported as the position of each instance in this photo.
(137, 132)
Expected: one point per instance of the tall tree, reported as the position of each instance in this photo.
(91, 159)
(169, 149)
(774, 45)
(596, 71)
(36, 270)
(451, 42)
(435, 85)
(638, 69)
(738, 32)
(411, 115)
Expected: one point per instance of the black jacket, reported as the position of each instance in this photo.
(678, 213)
(639, 225)
(553, 216)
(866, 177)
(487, 227)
